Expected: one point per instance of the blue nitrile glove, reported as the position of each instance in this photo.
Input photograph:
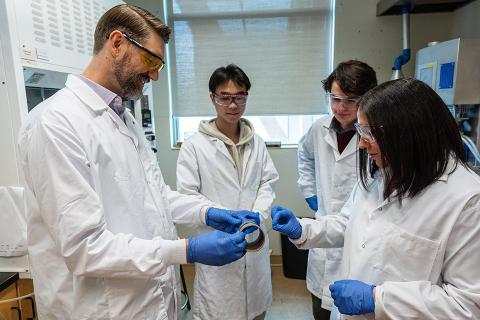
(312, 203)
(353, 297)
(229, 220)
(216, 248)
(246, 215)
(284, 221)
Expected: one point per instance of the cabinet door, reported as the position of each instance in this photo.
(6, 308)
(25, 286)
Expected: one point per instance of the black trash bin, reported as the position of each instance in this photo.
(294, 260)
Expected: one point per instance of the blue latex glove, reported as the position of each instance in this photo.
(229, 220)
(353, 297)
(216, 248)
(312, 203)
(284, 221)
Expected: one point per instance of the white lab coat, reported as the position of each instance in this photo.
(101, 239)
(240, 290)
(324, 172)
(423, 255)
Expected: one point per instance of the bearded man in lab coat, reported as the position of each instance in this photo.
(101, 237)
(327, 169)
(228, 164)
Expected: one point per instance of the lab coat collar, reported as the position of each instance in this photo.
(95, 103)
(86, 94)
(331, 139)
(328, 122)
(451, 167)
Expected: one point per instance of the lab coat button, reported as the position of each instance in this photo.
(363, 245)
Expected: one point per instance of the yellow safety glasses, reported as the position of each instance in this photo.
(148, 58)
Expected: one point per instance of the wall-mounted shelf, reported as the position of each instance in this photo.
(394, 7)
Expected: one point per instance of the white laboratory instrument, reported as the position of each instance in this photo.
(452, 69)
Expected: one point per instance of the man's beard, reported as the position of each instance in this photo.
(129, 83)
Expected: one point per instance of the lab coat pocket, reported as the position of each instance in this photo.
(405, 256)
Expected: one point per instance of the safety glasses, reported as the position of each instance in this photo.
(348, 102)
(227, 99)
(364, 132)
(149, 59)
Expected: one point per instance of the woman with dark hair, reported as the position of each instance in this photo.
(411, 227)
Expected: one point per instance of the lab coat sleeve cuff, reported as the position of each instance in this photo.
(203, 214)
(175, 252)
(298, 242)
(379, 312)
(309, 193)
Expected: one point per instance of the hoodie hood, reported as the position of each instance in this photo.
(209, 127)
(236, 151)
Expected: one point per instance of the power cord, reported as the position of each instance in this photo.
(17, 298)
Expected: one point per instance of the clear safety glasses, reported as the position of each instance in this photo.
(364, 132)
(227, 99)
(149, 59)
(348, 102)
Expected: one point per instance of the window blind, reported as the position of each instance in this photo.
(283, 46)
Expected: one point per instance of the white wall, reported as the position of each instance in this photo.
(359, 34)
(466, 21)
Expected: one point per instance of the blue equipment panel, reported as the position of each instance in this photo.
(447, 71)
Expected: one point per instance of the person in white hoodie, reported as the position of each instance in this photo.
(228, 164)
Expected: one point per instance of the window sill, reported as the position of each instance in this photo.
(286, 146)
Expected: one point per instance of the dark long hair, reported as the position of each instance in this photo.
(416, 135)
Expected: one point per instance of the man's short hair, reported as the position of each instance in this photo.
(230, 72)
(354, 78)
(132, 20)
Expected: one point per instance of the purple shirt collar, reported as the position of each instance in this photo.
(110, 98)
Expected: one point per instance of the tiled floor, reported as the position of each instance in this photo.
(291, 300)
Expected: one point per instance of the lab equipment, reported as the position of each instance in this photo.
(284, 221)
(452, 69)
(353, 297)
(404, 57)
(13, 229)
(312, 203)
(216, 248)
(254, 235)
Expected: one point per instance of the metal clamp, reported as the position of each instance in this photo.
(256, 239)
